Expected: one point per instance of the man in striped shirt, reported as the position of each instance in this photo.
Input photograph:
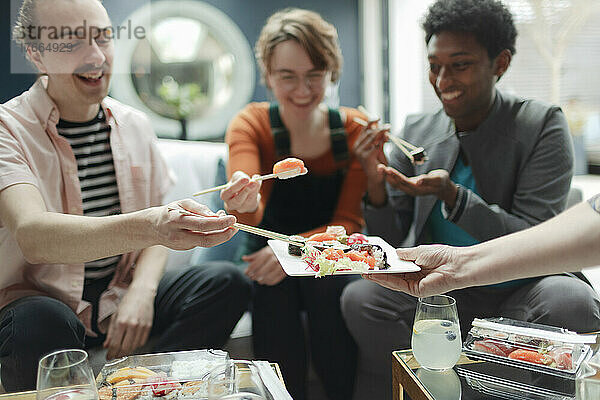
(83, 235)
(96, 171)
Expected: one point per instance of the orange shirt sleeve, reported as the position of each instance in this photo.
(251, 150)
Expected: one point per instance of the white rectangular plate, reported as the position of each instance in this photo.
(294, 266)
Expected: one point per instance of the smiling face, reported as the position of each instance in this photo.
(463, 76)
(297, 85)
(78, 78)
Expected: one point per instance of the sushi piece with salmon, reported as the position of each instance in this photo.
(284, 169)
(289, 168)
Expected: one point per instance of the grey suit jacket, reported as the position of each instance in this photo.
(522, 161)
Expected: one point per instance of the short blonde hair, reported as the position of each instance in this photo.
(318, 37)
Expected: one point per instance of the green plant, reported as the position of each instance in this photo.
(183, 98)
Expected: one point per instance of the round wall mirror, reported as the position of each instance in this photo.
(192, 71)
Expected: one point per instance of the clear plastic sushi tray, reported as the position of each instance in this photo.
(507, 389)
(508, 382)
(177, 375)
(534, 347)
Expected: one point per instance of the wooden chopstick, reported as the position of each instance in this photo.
(257, 179)
(360, 121)
(213, 189)
(363, 110)
(399, 144)
(405, 143)
(363, 122)
(263, 177)
(266, 233)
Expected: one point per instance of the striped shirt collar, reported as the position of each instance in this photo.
(47, 111)
(99, 118)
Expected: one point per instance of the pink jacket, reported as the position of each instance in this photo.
(32, 151)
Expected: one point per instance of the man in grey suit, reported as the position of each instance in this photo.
(497, 164)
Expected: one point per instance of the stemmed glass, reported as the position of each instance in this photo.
(436, 341)
(66, 375)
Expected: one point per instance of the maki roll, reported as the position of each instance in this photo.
(293, 249)
(375, 251)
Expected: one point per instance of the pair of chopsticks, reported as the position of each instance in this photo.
(416, 155)
(281, 175)
(223, 186)
(267, 234)
(247, 228)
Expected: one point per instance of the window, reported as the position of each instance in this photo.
(558, 53)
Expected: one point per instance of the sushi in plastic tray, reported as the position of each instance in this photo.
(527, 345)
(166, 376)
(507, 382)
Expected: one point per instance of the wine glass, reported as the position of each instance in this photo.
(236, 379)
(66, 375)
(436, 341)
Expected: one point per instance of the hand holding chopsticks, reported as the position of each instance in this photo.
(416, 155)
(188, 233)
(246, 228)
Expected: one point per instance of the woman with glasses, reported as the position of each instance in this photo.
(299, 56)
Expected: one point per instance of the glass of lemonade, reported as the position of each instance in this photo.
(436, 341)
(66, 375)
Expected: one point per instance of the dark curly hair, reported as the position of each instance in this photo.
(488, 20)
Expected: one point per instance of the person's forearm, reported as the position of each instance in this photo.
(448, 194)
(568, 242)
(150, 266)
(376, 193)
(486, 221)
(61, 238)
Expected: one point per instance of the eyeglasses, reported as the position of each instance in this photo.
(289, 81)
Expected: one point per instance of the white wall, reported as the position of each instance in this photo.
(407, 66)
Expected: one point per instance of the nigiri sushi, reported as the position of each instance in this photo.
(289, 168)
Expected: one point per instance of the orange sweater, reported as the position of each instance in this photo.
(252, 150)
